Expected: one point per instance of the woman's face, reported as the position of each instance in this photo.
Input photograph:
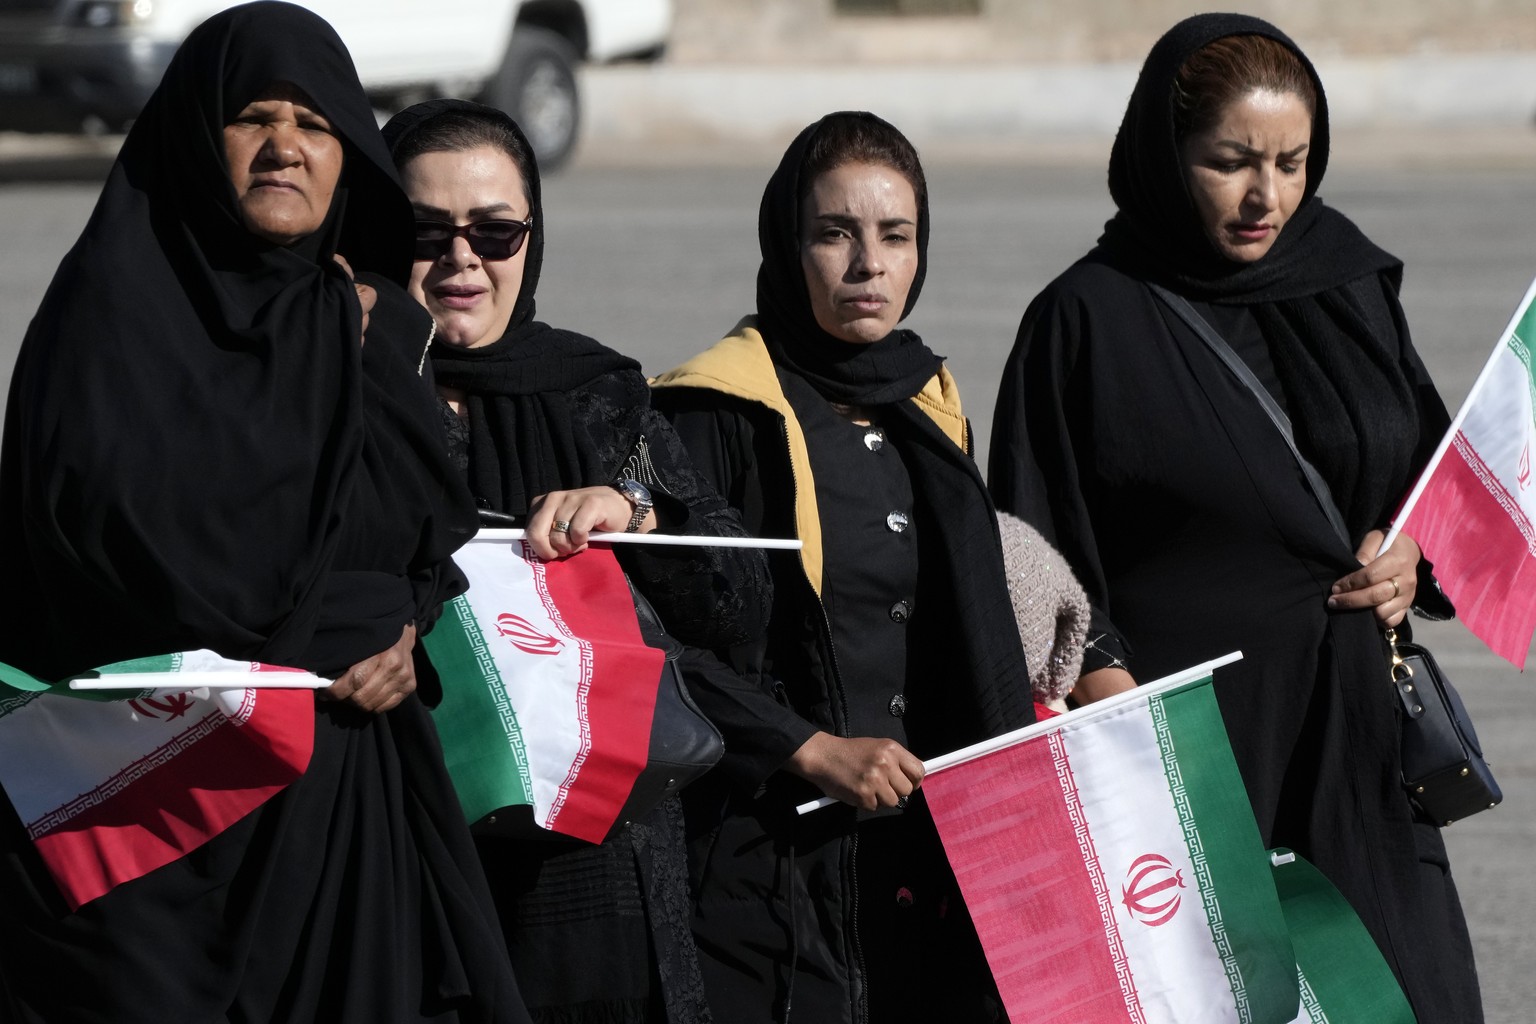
(1248, 171)
(858, 247)
(284, 162)
(470, 297)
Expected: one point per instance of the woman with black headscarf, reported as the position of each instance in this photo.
(1127, 437)
(212, 443)
(892, 636)
(555, 430)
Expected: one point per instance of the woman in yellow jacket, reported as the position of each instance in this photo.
(891, 638)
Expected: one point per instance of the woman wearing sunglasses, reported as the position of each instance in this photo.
(554, 427)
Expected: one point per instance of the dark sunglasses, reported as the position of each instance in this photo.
(488, 239)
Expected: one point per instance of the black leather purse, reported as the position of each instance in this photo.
(684, 744)
(1443, 766)
(1443, 769)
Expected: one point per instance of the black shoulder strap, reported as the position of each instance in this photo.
(1217, 344)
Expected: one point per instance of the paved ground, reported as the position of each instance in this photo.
(657, 256)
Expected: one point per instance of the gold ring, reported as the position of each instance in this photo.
(560, 526)
(1396, 590)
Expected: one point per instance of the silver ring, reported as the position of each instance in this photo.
(1396, 590)
(560, 526)
(901, 802)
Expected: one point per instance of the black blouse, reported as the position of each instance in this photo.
(869, 581)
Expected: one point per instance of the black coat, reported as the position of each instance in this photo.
(636, 956)
(760, 871)
(1179, 504)
(600, 932)
(200, 453)
(1163, 482)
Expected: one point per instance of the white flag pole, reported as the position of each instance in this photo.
(215, 680)
(1029, 732)
(279, 681)
(1461, 415)
(661, 539)
(210, 680)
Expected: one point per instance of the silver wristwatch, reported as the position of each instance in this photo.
(639, 496)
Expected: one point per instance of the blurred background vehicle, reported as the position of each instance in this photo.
(89, 65)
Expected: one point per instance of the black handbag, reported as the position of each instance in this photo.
(1443, 769)
(684, 744)
(1443, 766)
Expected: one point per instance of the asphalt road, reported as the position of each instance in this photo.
(660, 261)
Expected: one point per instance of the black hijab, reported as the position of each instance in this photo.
(524, 439)
(1324, 296)
(198, 451)
(889, 370)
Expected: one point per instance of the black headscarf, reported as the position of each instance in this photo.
(198, 451)
(524, 440)
(1324, 296)
(889, 370)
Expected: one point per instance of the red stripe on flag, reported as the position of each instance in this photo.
(618, 698)
(1019, 858)
(1482, 558)
(199, 791)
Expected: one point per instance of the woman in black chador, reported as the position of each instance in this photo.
(212, 443)
(892, 636)
(556, 430)
(1125, 438)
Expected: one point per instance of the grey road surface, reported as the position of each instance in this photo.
(660, 261)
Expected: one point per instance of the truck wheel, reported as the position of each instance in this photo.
(537, 87)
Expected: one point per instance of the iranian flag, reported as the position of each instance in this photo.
(548, 687)
(1115, 874)
(110, 789)
(1473, 510)
(1118, 840)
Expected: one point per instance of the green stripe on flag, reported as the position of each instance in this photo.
(1522, 352)
(1247, 928)
(15, 679)
(153, 663)
(482, 744)
(1344, 972)
(18, 688)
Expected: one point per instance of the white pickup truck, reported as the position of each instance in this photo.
(72, 65)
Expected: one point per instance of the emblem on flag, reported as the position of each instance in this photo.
(1151, 892)
(174, 705)
(525, 636)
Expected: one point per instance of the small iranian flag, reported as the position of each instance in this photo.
(548, 687)
(1113, 869)
(1119, 839)
(110, 789)
(1473, 510)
